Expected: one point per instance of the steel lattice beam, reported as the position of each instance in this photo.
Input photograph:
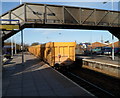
(55, 16)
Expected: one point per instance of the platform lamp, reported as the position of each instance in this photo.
(113, 56)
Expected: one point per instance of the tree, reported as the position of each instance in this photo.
(107, 41)
(26, 46)
(35, 43)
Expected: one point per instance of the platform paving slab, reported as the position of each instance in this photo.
(36, 78)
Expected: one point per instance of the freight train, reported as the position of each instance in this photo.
(56, 54)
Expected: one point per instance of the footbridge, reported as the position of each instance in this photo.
(31, 15)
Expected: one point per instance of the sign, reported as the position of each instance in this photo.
(59, 56)
(9, 27)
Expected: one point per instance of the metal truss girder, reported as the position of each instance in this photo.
(17, 16)
(88, 17)
(72, 15)
(115, 19)
(91, 20)
(33, 12)
(103, 17)
(53, 12)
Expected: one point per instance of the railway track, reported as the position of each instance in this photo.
(88, 85)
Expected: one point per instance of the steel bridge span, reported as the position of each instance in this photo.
(31, 15)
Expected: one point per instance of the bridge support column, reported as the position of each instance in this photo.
(116, 33)
(22, 47)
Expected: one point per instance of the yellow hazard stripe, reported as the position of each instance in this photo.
(9, 27)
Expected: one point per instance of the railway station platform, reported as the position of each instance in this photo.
(102, 59)
(102, 64)
(35, 78)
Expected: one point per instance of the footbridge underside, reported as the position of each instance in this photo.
(31, 15)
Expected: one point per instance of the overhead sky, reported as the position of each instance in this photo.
(63, 35)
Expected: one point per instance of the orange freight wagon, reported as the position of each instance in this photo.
(55, 53)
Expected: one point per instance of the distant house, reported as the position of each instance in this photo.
(116, 44)
(96, 44)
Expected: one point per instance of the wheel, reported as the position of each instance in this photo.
(56, 66)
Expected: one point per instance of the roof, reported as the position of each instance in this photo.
(116, 44)
(96, 44)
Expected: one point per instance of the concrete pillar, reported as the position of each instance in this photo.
(22, 47)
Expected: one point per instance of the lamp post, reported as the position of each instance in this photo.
(113, 56)
(20, 1)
